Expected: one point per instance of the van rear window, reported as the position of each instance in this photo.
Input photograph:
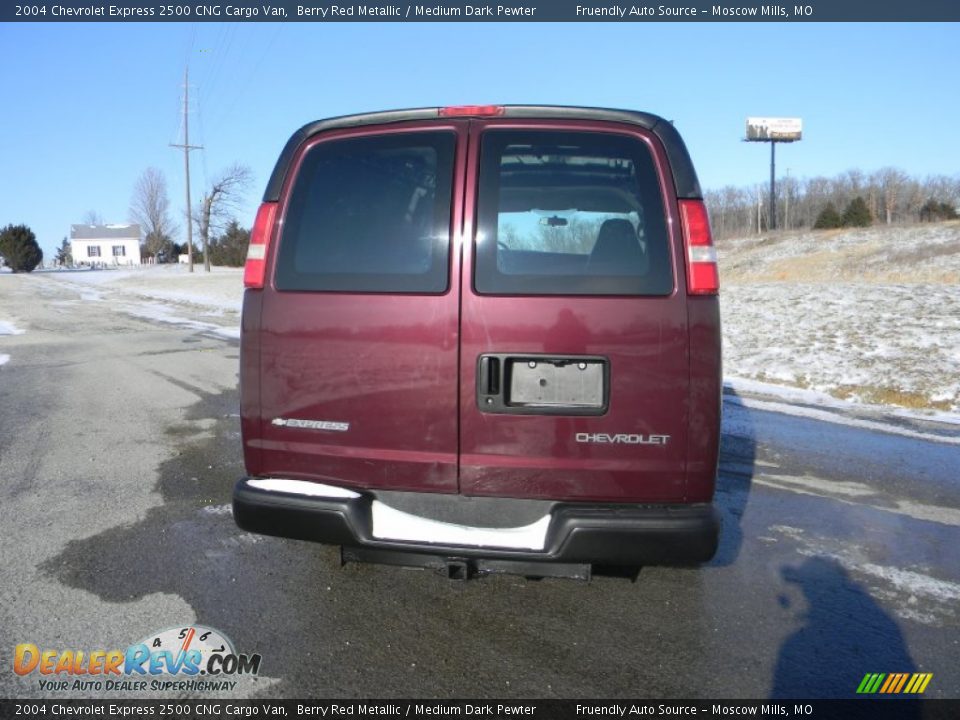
(570, 213)
(370, 214)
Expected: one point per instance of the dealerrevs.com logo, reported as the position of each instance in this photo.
(193, 658)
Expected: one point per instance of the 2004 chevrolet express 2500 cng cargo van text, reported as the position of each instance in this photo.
(484, 339)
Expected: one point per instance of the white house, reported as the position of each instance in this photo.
(100, 245)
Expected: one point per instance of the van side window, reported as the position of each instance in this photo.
(370, 214)
(570, 213)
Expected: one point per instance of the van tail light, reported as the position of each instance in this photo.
(471, 110)
(702, 275)
(255, 270)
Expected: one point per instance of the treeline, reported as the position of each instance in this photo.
(220, 237)
(889, 196)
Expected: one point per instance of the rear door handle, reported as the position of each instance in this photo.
(488, 378)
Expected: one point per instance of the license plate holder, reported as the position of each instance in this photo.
(543, 384)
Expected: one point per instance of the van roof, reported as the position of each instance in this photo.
(684, 177)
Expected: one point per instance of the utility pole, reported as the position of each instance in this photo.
(187, 147)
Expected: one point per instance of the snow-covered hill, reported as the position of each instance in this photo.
(869, 315)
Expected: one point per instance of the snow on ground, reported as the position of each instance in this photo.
(866, 417)
(880, 344)
(208, 302)
(8, 328)
(219, 290)
(164, 314)
(869, 315)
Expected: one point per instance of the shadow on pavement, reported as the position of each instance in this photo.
(738, 449)
(845, 634)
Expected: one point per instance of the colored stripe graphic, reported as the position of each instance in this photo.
(918, 683)
(903, 679)
(894, 683)
(897, 681)
(870, 683)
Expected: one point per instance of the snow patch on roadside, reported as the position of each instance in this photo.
(4, 359)
(858, 494)
(901, 587)
(220, 290)
(742, 428)
(161, 313)
(173, 295)
(915, 582)
(795, 395)
(217, 509)
(8, 328)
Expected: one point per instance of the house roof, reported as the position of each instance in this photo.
(104, 232)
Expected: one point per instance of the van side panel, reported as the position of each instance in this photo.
(706, 388)
(250, 379)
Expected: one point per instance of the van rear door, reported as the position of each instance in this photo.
(358, 333)
(574, 345)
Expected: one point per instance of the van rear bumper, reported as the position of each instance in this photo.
(594, 533)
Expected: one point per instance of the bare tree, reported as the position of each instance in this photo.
(892, 182)
(222, 196)
(92, 217)
(150, 207)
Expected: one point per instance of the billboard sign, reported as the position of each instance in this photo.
(771, 128)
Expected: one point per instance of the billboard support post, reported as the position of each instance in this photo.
(773, 185)
(773, 130)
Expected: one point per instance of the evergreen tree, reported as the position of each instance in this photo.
(932, 211)
(159, 246)
(19, 248)
(857, 214)
(230, 249)
(64, 255)
(828, 218)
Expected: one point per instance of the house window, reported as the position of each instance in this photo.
(93, 251)
(119, 251)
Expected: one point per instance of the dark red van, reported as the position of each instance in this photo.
(484, 339)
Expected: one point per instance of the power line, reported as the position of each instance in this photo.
(224, 113)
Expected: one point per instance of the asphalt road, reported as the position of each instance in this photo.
(119, 447)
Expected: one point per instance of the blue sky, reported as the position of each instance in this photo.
(88, 107)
